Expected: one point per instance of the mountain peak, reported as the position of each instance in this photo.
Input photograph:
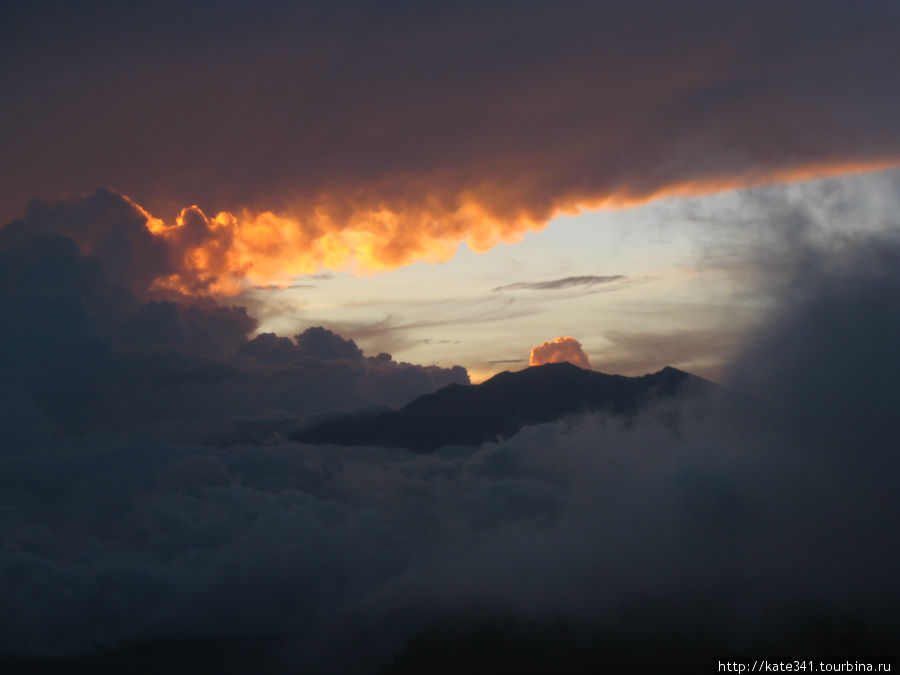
(500, 406)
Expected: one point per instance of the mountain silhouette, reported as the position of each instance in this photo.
(501, 406)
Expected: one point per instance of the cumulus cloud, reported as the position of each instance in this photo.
(109, 227)
(324, 344)
(558, 350)
(377, 139)
(566, 282)
(204, 328)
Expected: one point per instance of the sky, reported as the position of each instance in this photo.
(641, 288)
(358, 139)
(223, 221)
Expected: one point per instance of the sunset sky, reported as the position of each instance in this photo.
(226, 226)
(641, 288)
(335, 153)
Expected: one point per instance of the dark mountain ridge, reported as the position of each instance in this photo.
(501, 406)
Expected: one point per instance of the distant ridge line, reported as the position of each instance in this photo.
(502, 405)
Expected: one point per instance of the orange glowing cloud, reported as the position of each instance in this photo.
(223, 254)
(561, 349)
(326, 146)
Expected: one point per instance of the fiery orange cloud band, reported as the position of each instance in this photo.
(222, 255)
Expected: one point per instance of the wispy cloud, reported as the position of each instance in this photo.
(276, 287)
(555, 284)
(398, 332)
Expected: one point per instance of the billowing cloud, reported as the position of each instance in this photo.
(347, 137)
(558, 350)
(566, 282)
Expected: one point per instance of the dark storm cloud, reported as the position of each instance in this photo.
(843, 315)
(111, 228)
(91, 346)
(554, 284)
(324, 344)
(208, 329)
(459, 121)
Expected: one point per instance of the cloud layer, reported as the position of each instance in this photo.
(767, 521)
(356, 136)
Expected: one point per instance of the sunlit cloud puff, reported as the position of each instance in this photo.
(561, 349)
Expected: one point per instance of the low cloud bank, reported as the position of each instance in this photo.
(768, 519)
